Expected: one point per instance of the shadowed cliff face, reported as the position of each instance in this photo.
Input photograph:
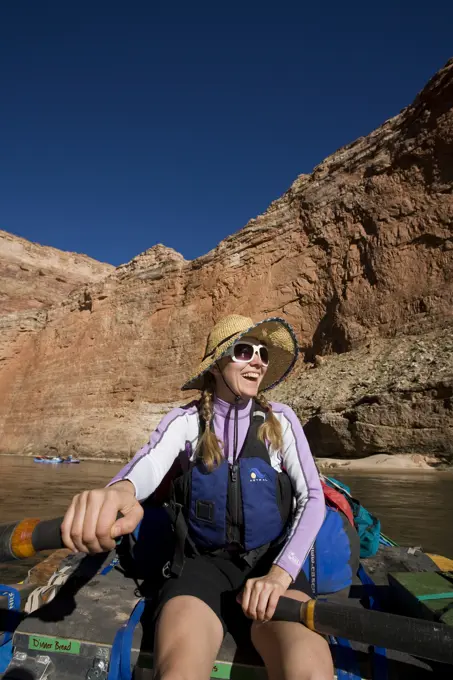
(388, 396)
(360, 250)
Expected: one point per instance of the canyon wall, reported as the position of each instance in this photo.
(358, 256)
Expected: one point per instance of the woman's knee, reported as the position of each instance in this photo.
(188, 637)
(178, 674)
(276, 636)
(171, 675)
(291, 651)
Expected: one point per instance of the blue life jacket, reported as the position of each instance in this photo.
(247, 503)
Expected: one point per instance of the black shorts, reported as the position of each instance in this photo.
(216, 580)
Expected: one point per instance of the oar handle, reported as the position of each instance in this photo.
(27, 537)
(427, 639)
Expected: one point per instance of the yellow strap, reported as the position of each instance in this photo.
(310, 614)
(444, 563)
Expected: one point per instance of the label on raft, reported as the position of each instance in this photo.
(220, 670)
(47, 644)
(226, 671)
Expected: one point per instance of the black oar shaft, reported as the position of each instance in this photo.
(427, 639)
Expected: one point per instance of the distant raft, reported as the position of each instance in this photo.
(55, 460)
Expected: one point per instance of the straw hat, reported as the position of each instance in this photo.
(275, 333)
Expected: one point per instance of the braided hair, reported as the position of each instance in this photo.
(271, 429)
(208, 447)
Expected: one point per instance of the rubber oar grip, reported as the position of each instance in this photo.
(47, 535)
(427, 639)
(25, 538)
(288, 609)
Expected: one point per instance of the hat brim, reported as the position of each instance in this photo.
(281, 341)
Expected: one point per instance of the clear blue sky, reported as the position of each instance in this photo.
(125, 124)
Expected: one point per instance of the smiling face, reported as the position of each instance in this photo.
(244, 379)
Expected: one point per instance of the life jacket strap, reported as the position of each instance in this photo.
(182, 538)
(252, 556)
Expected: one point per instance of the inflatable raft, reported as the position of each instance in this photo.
(55, 460)
(91, 620)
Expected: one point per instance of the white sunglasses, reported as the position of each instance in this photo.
(243, 352)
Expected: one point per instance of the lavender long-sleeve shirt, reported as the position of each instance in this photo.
(181, 426)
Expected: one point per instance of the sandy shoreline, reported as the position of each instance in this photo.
(382, 462)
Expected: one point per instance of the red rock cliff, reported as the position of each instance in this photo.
(34, 276)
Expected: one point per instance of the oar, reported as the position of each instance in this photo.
(427, 639)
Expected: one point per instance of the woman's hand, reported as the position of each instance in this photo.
(260, 595)
(90, 523)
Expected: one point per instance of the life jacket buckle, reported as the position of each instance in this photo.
(166, 570)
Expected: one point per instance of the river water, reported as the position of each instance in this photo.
(415, 508)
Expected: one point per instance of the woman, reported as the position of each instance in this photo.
(245, 543)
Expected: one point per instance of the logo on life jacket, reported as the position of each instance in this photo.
(257, 476)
